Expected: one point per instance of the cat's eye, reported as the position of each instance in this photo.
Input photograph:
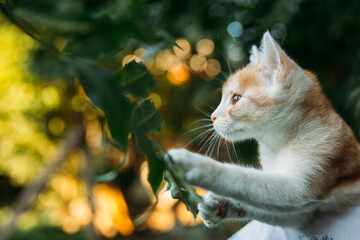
(235, 98)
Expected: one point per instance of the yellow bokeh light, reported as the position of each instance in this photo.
(178, 74)
(56, 126)
(197, 63)
(140, 52)
(70, 225)
(153, 69)
(129, 58)
(165, 60)
(50, 96)
(161, 220)
(27, 220)
(205, 46)
(184, 48)
(111, 211)
(144, 171)
(18, 97)
(185, 217)
(80, 210)
(156, 99)
(212, 68)
(166, 201)
(78, 103)
(66, 186)
(104, 224)
(94, 134)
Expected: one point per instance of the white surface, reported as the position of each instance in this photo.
(340, 226)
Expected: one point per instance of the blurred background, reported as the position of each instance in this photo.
(48, 162)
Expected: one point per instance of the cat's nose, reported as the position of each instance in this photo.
(213, 118)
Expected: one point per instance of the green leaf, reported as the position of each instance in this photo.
(136, 79)
(183, 191)
(54, 23)
(146, 118)
(109, 37)
(155, 162)
(101, 88)
(179, 187)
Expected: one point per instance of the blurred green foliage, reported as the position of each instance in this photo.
(89, 40)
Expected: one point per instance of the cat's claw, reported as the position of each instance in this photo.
(212, 210)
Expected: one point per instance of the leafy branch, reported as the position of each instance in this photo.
(110, 90)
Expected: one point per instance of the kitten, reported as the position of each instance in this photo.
(309, 156)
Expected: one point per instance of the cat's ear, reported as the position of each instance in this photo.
(272, 58)
(254, 55)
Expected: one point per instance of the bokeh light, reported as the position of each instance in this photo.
(129, 58)
(50, 96)
(161, 220)
(56, 126)
(212, 68)
(111, 212)
(94, 134)
(80, 210)
(197, 63)
(67, 186)
(178, 74)
(165, 60)
(235, 29)
(156, 99)
(185, 217)
(184, 48)
(205, 46)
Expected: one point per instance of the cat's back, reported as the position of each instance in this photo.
(328, 154)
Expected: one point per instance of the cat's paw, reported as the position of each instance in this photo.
(212, 210)
(191, 163)
(181, 156)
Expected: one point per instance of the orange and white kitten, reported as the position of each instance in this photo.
(309, 156)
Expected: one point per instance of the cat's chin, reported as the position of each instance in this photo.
(235, 136)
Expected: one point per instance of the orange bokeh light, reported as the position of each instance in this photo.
(111, 212)
(178, 74)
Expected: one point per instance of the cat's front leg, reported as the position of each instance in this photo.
(199, 169)
(215, 209)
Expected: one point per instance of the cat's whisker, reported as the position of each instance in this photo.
(208, 141)
(215, 142)
(233, 145)
(203, 112)
(211, 143)
(201, 120)
(205, 133)
(219, 79)
(228, 152)
(210, 107)
(219, 143)
(205, 136)
(226, 76)
(228, 64)
(200, 127)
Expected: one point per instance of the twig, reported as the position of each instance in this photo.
(29, 194)
(89, 179)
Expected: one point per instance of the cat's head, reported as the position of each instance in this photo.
(264, 95)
